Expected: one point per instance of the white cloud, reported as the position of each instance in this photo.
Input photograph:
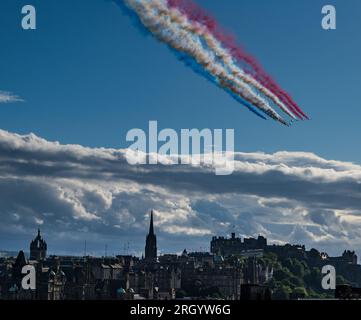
(79, 193)
(7, 97)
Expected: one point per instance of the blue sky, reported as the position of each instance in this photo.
(87, 75)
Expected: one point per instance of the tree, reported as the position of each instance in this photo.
(298, 268)
(282, 293)
(341, 280)
(296, 281)
(300, 292)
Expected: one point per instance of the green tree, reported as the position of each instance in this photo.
(282, 293)
(300, 292)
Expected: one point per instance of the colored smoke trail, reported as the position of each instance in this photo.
(197, 14)
(223, 55)
(193, 37)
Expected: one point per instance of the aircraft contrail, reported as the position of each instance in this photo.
(197, 41)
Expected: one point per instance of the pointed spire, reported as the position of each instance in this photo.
(151, 229)
(151, 242)
(38, 232)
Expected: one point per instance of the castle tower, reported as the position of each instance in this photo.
(151, 243)
(38, 248)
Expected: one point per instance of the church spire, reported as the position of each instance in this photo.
(151, 228)
(151, 243)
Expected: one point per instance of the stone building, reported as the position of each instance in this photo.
(235, 246)
(38, 248)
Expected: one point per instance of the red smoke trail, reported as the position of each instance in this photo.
(197, 14)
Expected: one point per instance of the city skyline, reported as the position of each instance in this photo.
(233, 269)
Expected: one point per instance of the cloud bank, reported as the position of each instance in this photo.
(74, 193)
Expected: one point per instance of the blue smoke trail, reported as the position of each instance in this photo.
(133, 17)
